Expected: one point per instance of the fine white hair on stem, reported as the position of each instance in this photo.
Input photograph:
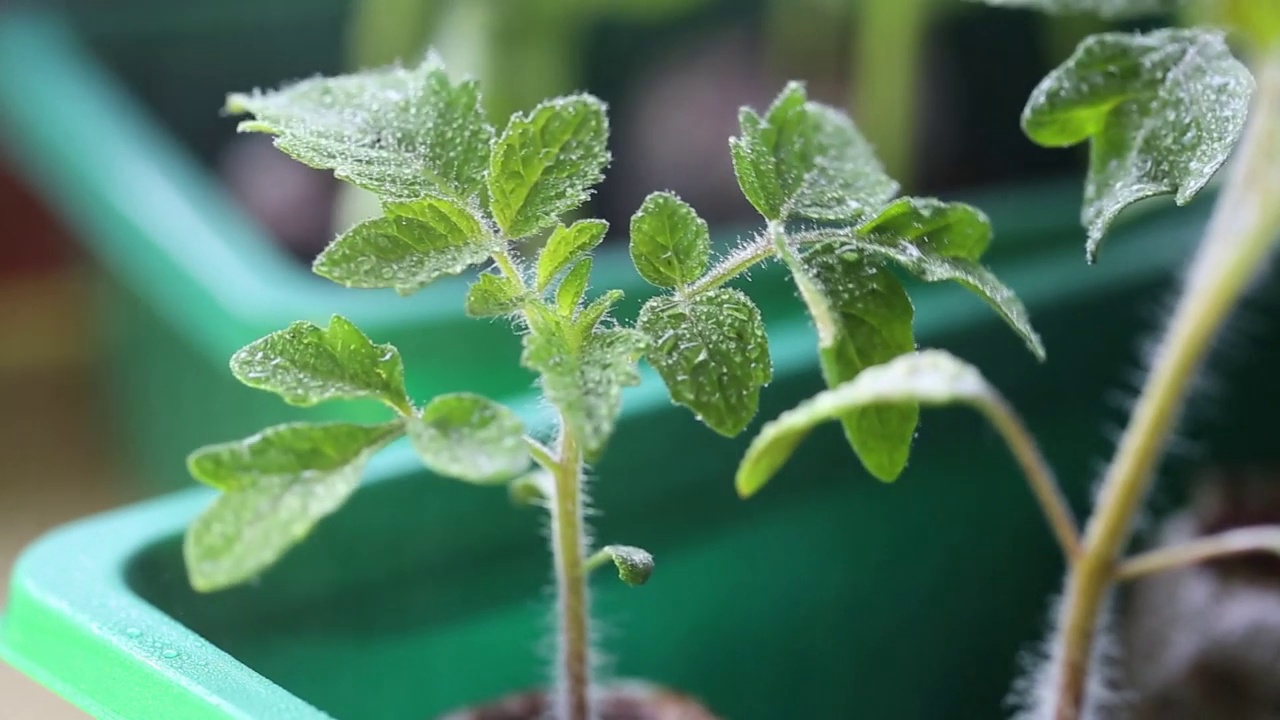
(1032, 695)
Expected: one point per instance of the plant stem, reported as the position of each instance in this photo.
(734, 264)
(1038, 473)
(573, 688)
(1211, 547)
(508, 267)
(1240, 233)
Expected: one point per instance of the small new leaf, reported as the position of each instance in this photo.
(584, 381)
(306, 364)
(276, 486)
(712, 353)
(415, 243)
(546, 162)
(937, 241)
(471, 438)
(493, 295)
(533, 488)
(565, 246)
(807, 160)
(1108, 9)
(398, 132)
(572, 287)
(1161, 110)
(591, 315)
(863, 318)
(635, 565)
(930, 377)
(670, 244)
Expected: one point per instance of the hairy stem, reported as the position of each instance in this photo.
(1240, 233)
(1038, 473)
(573, 663)
(760, 248)
(1211, 547)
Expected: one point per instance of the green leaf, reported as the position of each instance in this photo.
(306, 364)
(415, 243)
(1109, 9)
(565, 246)
(863, 318)
(938, 241)
(573, 286)
(546, 162)
(670, 244)
(805, 159)
(470, 438)
(399, 132)
(585, 381)
(591, 315)
(712, 353)
(277, 485)
(929, 377)
(1162, 112)
(635, 565)
(492, 295)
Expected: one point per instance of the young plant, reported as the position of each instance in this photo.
(454, 196)
(833, 220)
(1162, 112)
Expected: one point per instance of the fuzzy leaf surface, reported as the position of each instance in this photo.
(1162, 112)
(930, 377)
(471, 438)
(712, 353)
(863, 318)
(565, 246)
(415, 243)
(670, 244)
(804, 159)
(399, 132)
(306, 364)
(546, 162)
(492, 295)
(937, 241)
(276, 486)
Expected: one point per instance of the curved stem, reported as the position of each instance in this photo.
(1240, 233)
(1211, 547)
(508, 267)
(1038, 473)
(573, 687)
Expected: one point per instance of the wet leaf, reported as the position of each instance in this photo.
(492, 295)
(471, 438)
(584, 381)
(1162, 112)
(277, 485)
(807, 160)
(712, 353)
(306, 364)
(414, 244)
(565, 246)
(937, 241)
(863, 318)
(929, 377)
(546, 162)
(591, 315)
(399, 132)
(573, 286)
(670, 244)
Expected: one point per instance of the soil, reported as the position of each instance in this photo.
(624, 701)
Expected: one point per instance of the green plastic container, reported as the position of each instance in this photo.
(829, 595)
(189, 280)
